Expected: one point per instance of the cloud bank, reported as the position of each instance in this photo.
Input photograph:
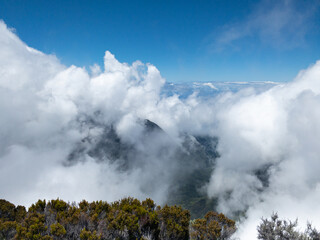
(270, 152)
(268, 141)
(53, 116)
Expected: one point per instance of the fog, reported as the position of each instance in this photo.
(53, 115)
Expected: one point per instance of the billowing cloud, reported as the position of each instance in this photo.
(45, 106)
(74, 134)
(269, 152)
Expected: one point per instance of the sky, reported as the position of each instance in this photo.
(187, 41)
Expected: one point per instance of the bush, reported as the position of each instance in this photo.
(57, 230)
(277, 229)
(174, 222)
(213, 226)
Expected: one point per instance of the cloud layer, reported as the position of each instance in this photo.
(51, 113)
(270, 152)
(268, 141)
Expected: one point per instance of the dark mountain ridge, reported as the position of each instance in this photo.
(185, 166)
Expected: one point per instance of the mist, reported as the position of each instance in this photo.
(53, 117)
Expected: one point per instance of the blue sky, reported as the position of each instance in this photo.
(186, 40)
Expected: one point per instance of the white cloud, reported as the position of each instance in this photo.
(279, 24)
(277, 128)
(46, 112)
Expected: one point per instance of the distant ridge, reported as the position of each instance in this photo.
(209, 89)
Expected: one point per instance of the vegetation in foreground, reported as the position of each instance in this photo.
(128, 218)
(278, 229)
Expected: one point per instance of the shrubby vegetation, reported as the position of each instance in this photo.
(128, 218)
(213, 226)
(277, 229)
